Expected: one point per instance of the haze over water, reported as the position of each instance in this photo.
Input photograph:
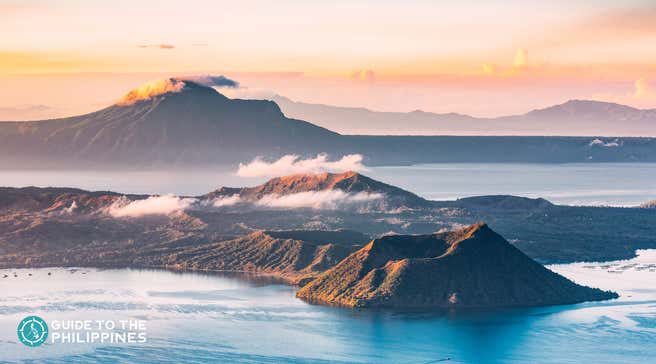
(609, 184)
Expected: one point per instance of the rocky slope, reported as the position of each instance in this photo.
(351, 183)
(472, 267)
(281, 254)
(184, 123)
(39, 222)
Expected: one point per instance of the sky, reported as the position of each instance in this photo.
(481, 58)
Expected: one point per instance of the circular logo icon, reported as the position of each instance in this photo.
(32, 331)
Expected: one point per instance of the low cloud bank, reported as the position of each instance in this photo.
(293, 164)
(226, 201)
(154, 205)
(318, 200)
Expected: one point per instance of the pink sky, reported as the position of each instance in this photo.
(485, 59)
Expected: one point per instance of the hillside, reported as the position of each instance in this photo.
(472, 267)
(39, 223)
(186, 124)
(351, 183)
(290, 258)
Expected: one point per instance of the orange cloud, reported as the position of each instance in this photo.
(150, 89)
(159, 46)
(363, 75)
(521, 58)
(642, 88)
(643, 95)
(489, 69)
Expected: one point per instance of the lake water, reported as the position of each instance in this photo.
(612, 184)
(211, 318)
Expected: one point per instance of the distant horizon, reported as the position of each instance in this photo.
(38, 96)
(573, 117)
(240, 93)
(481, 59)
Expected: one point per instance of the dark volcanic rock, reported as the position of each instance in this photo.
(473, 267)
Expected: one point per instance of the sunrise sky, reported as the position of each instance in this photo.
(482, 58)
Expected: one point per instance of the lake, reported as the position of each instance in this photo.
(206, 318)
(611, 184)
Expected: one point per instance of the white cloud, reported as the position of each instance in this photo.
(226, 201)
(601, 143)
(320, 200)
(71, 208)
(292, 164)
(154, 205)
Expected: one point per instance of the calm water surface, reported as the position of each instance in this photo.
(209, 318)
(615, 184)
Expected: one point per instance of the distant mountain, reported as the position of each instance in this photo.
(358, 120)
(16, 200)
(572, 118)
(504, 202)
(176, 123)
(472, 267)
(189, 124)
(27, 112)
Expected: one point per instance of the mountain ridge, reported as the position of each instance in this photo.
(419, 122)
(174, 126)
(50, 218)
(195, 126)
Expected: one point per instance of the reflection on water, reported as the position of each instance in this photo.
(615, 184)
(217, 318)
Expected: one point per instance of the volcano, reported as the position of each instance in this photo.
(468, 268)
(170, 122)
